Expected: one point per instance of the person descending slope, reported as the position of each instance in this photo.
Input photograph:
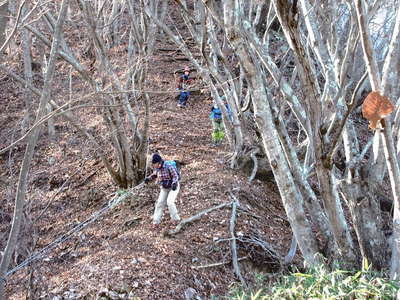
(182, 86)
(167, 175)
(218, 133)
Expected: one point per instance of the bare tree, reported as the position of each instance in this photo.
(387, 138)
(26, 45)
(293, 73)
(305, 76)
(131, 158)
(30, 147)
(121, 96)
(218, 73)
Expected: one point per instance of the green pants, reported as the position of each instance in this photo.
(218, 132)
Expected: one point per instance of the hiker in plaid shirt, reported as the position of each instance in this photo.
(182, 87)
(168, 178)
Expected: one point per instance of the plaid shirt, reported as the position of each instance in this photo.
(183, 81)
(166, 172)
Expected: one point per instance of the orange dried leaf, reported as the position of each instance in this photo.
(376, 107)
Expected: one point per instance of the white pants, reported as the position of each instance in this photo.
(166, 196)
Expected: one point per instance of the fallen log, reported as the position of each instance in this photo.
(218, 264)
(196, 217)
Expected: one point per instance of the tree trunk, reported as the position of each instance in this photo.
(291, 196)
(12, 8)
(3, 24)
(313, 103)
(388, 146)
(26, 45)
(31, 144)
(363, 205)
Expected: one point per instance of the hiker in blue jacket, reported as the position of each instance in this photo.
(218, 133)
(167, 176)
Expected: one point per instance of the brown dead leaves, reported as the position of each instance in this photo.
(376, 107)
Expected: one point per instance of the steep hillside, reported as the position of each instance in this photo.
(120, 253)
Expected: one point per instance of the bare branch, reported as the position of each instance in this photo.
(196, 217)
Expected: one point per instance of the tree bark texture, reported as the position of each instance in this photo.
(313, 103)
(388, 143)
(3, 24)
(30, 148)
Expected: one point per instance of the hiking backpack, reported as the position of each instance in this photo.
(173, 164)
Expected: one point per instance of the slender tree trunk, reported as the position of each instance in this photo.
(31, 144)
(45, 64)
(51, 129)
(291, 196)
(313, 103)
(12, 8)
(363, 205)
(388, 146)
(3, 24)
(26, 45)
(311, 201)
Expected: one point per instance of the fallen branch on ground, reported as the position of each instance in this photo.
(196, 217)
(247, 212)
(218, 264)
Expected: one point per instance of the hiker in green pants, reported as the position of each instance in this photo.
(218, 133)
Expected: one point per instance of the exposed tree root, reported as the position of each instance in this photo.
(255, 161)
(292, 251)
(262, 253)
(232, 222)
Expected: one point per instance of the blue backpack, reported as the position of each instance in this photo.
(216, 114)
(172, 163)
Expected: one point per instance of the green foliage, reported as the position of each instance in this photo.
(321, 284)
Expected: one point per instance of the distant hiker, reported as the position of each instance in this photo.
(218, 133)
(182, 86)
(168, 177)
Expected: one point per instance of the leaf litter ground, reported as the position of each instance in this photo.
(121, 254)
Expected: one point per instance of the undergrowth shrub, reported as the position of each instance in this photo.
(319, 283)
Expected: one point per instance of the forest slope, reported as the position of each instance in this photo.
(120, 251)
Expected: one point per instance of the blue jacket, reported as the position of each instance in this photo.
(216, 114)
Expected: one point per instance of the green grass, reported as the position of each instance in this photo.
(322, 284)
